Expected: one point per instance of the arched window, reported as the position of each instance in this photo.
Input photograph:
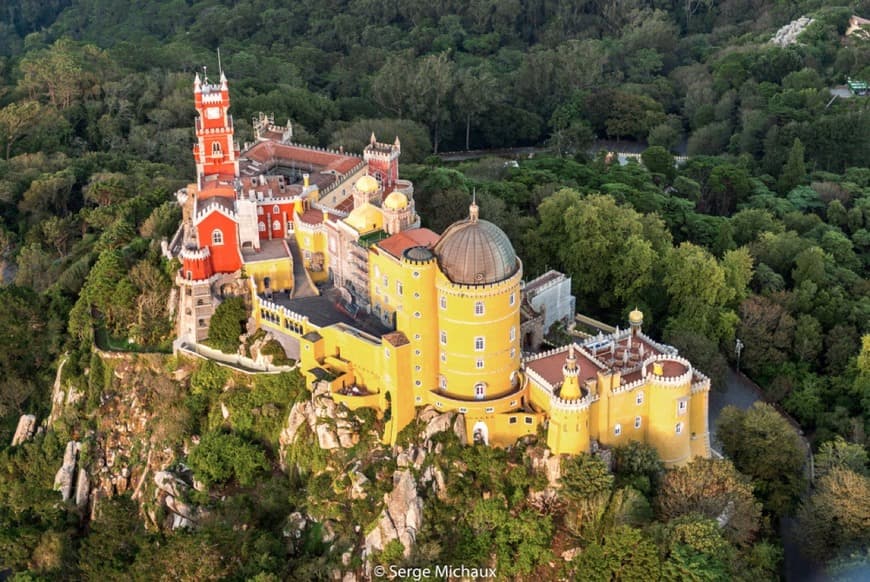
(276, 209)
(478, 308)
(480, 390)
(217, 237)
(262, 226)
(216, 148)
(276, 225)
(479, 344)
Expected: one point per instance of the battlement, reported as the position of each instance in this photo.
(194, 254)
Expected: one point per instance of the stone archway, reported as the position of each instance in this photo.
(480, 432)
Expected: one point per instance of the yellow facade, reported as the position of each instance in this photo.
(456, 347)
(279, 272)
(312, 241)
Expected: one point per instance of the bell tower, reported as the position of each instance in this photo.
(215, 153)
(383, 161)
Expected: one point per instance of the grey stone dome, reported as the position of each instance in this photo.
(476, 252)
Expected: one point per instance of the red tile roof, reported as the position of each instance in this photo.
(268, 151)
(402, 241)
(550, 367)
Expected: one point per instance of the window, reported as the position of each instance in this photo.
(417, 368)
(513, 353)
(679, 428)
(399, 288)
(276, 209)
(189, 275)
(444, 337)
(417, 337)
(386, 281)
(480, 391)
(259, 208)
(443, 302)
(387, 353)
(261, 227)
(201, 323)
(513, 298)
(217, 237)
(216, 149)
(478, 308)
(443, 356)
(479, 363)
(416, 295)
(416, 274)
(636, 422)
(513, 333)
(682, 406)
(639, 398)
(377, 271)
(418, 383)
(529, 420)
(418, 353)
(479, 344)
(617, 429)
(489, 409)
(418, 315)
(442, 382)
(276, 225)
(512, 420)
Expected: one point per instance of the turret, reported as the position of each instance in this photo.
(635, 320)
(570, 389)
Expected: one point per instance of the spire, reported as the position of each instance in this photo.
(396, 143)
(473, 209)
(197, 84)
(372, 139)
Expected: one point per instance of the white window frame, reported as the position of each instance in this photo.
(217, 237)
(480, 391)
(637, 422)
(638, 399)
(617, 429)
(442, 302)
(479, 343)
(479, 308)
(679, 428)
(443, 338)
(479, 364)
(682, 407)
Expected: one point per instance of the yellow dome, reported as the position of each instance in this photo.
(365, 219)
(396, 201)
(636, 316)
(367, 184)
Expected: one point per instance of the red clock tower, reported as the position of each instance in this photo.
(215, 152)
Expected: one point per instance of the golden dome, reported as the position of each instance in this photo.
(367, 185)
(636, 316)
(396, 201)
(365, 218)
(476, 252)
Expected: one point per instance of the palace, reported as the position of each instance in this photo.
(384, 314)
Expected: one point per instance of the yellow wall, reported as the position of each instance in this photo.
(461, 325)
(312, 240)
(279, 271)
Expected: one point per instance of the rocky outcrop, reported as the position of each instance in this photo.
(170, 491)
(401, 517)
(25, 429)
(83, 489)
(65, 476)
(547, 464)
(788, 34)
(329, 422)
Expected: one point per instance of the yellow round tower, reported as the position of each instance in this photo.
(669, 380)
(478, 289)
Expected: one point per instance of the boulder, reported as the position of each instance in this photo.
(437, 424)
(459, 429)
(544, 462)
(83, 489)
(63, 479)
(401, 517)
(26, 426)
(169, 483)
(326, 439)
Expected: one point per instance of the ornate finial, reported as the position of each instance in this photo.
(473, 209)
(205, 74)
(372, 139)
(396, 143)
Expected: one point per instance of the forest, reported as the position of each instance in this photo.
(761, 235)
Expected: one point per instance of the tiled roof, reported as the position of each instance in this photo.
(415, 237)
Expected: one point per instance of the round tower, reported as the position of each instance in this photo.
(478, 288)
(669, 385)
(196, 264)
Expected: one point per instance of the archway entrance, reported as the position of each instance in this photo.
(480, 433)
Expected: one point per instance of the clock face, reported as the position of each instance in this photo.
(213, 112)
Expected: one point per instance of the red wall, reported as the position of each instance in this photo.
(225, 258)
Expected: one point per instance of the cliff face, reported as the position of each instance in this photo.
(192, 442)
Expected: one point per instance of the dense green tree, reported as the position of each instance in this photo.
(658, 160)
(766, 447)
(624, 554)
(225, 325)
(794, 171)
(714, 489)
(220, 457)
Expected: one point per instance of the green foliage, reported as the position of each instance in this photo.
(226, 323)
(766, 447)
(833, 521)
(221, 457)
